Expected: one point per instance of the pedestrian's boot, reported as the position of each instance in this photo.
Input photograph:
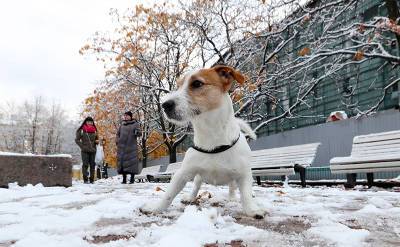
(132, 179)
(123, 178)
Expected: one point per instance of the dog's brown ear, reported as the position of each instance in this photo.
(229, 74)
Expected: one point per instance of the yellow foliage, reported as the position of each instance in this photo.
(358, 56)
(237, 95)
(252, 87)
(304, 51)
(154, 140)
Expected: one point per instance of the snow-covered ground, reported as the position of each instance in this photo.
(106, 214)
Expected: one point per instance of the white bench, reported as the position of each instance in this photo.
(283, 161)
(148, 171)
(378, 152)
(169, 172)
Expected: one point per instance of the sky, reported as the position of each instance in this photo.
(39, 44)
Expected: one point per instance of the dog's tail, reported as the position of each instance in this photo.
(245, 127)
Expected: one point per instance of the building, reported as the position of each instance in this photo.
(356, 88)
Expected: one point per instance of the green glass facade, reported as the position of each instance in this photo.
(353, 89)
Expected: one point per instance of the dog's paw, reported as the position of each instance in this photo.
(150, 208)
(256, 213)
(188, 199)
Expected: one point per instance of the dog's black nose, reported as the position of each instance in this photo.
(168, 106)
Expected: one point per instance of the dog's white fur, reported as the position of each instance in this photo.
(211, 128)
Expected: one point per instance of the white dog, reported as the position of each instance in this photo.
(220, 154)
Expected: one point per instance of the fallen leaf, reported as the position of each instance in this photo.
(280, 192)
(159, 189)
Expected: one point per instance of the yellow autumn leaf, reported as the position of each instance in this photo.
(359, 55)
(304, 51)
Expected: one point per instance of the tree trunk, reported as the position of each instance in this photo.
(144, 153)
(33, 143)
(172, 154)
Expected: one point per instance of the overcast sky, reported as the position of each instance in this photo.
(39, 43)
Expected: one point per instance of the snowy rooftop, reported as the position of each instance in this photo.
(106, 214)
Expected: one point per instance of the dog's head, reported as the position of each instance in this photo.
(199, 92)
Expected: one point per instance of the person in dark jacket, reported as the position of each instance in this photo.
(87, 138)
(127, 151)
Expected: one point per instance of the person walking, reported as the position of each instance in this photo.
(127, 151)
(87, 138)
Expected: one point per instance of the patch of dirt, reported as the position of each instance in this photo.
(8, 243)
(26, 197)
(75, 205)
(265, 185)
(103, 222)
(108, 238)
(196, 202)
(217, 204)
(289, 225)
(233, 243)
(352, 223)
(350, 207)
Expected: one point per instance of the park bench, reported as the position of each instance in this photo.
(377, 152)
(169, 172)
(148, 173)
(283, 161)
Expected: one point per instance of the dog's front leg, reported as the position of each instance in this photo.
(232, 190)
(178, 181)
(250, 207)
(196, 187)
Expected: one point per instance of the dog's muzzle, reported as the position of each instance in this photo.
(169, 108)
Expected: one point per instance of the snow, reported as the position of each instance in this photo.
(37, 155)
(106, 214)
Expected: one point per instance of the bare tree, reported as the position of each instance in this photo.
(36, 128)
(297, 55)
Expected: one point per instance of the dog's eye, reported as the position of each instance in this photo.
(197, 84)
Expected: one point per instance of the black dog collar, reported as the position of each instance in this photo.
(218, 149)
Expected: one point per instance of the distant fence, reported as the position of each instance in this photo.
(335, 137)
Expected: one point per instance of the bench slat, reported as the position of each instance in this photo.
(298, 148)
(279, 163)
(377, 137)
(270, 166)
(360, 159)
(365, 165)
(289, 151)
(289, 156)
(285, 158)
(381, 146)
(380, 152)
(273, 172)
(367, 170)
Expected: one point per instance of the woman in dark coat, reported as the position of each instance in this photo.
(127, 151)
(87, 138)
